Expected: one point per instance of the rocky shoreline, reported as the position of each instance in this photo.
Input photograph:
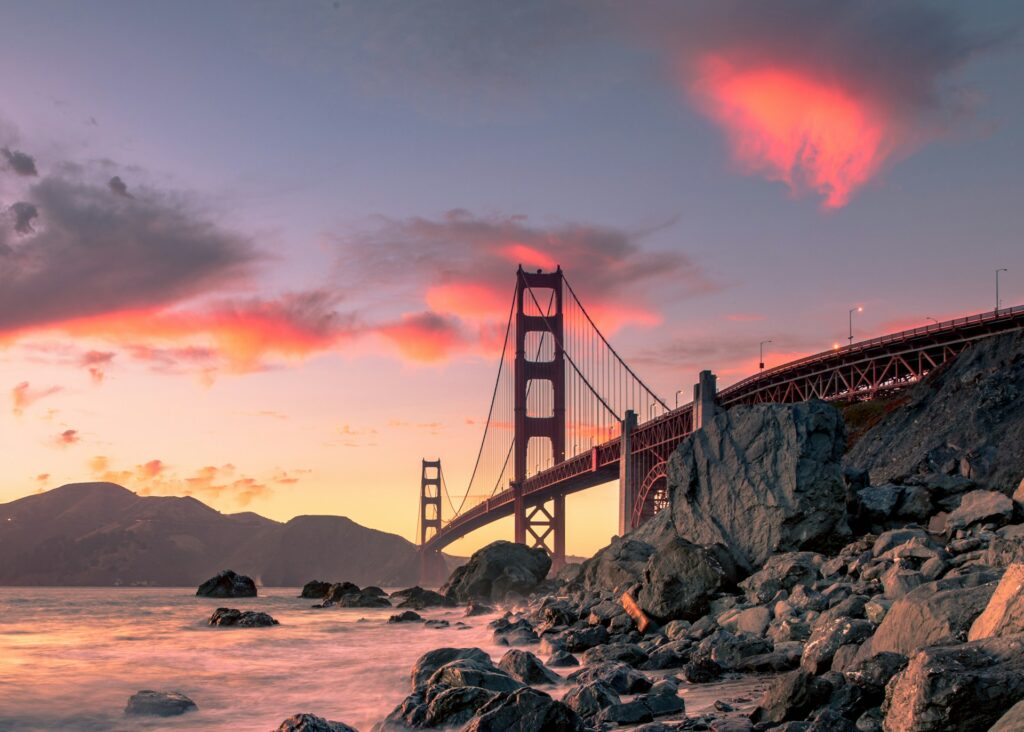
(870, 587)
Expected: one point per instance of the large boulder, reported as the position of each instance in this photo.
(312, 723)
(934, 613)
(679, 581)
(791, 696)
(762, 480)
(618, 567)
(431, 661)
(782, 572)
(418, 598)
(525, 710)
(963, 421)
(227, 584)
(979, 507)
(1004, 614)
(314, 590)
(957, 688)
(150, 703)
(525, 667)
(497, 569)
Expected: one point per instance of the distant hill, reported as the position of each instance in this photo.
(103, 534)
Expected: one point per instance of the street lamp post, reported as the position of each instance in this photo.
(1001, 269)
(678, 392)
(858, 309)
(761, 362)
(929, 317)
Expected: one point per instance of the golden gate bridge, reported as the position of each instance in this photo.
(567, 413)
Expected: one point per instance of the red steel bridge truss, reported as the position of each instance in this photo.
(566, 408)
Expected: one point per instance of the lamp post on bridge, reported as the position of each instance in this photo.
(678, 392)
(761, 360)
(929, 317)
(1001, 269)
(858, 309)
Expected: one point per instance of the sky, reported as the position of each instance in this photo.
(261, 253)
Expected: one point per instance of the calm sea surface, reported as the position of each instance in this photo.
(71, 657)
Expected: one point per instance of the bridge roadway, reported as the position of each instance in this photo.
(862, 370)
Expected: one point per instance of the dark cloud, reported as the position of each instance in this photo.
(23, 214)
(97, 255)
(118, 187)
(68, 437)
(21, 163)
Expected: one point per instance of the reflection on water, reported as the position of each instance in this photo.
(70, 658)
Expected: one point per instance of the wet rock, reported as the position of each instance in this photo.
(674, 654)
(936, 612)
(312, 723)
(1004, 613)
(577, 640)
(701, 670)
(761, 480)
(496, 570)
(478, 608)
(225, 616)
(979, 507)
(628, 653)
(338, 590)
(472, 672)
(517, 633)
(828, 637)
(159, 704)
(527, 668)
(679, 581)
(871, 675)
(618, 676)
(791, 697)
(958, 687)
(782, 572)
(428, 664)
(361, 599)
(729, 649)
(417, 598)
(406, 617)
(456, 707)
(617, 567)
(315, 590)
(525, 710)
(631, 712)
(562, 659)
(227, 584)
(753, 620)
(785, 657)
(587, 700)
(436, 623)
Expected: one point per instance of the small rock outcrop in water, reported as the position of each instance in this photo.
(418, 598)
(159, 704)
(227, 584)
(226, 616)
(315, 590)
(406, 617)
(312, 723)
(496, 570)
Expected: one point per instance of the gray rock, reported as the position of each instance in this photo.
(525, 710)
(159, 704)
(577, 640)
(478, 608)
(617, 567)
(1004, 613)
(227, 617)
(338, 590)
(562, 659)
(897, 581)
(889, 540)
(761, 480)
(828, 637)
(629, 653)
(753, 620)
(728, 650)
(871, 675)
(782, 572)
(618, 676)
(455, 707)
(496, 570)
(227, 584)
(673, 654)
(936, 612)
(792, 696)
(527, 668)
(878, 503)
(406, 617)
(679, 581)
(470, 672)
(315, 590)
(428, 664)
(417, 598)
(312, 723)
(979, 507)
(587, 700)
(701, 670)
(958, 687)
(625, 713)
(361, 599)
(964, 420)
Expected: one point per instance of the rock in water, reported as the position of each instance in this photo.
(960, 687)
(228, 616)
(760, 480)
(159, 704)
(312, 723)
(525, 710)
(964, 421)
(315, 590)
(497, 569)
(227, 584)
(525, 667)
(431, 661)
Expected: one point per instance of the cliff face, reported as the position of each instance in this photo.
(965, 421)
(103, 534)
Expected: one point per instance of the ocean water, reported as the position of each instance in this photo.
(71, 657)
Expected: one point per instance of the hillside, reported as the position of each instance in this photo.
(103, 534)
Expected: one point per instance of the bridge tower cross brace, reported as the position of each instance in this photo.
(538, 525)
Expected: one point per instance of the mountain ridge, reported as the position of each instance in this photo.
(103, 534)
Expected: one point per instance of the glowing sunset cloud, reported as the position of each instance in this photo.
(424, 337)
(470, 299)
(789, 126)
(528, 256)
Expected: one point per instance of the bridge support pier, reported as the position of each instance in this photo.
(627, 477)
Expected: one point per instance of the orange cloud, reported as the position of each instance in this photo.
(790, 126)
(425, 337)
(68, 437)
(23, 395)
(529, 257)
(471, 300)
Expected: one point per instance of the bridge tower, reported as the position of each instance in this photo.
(431, 562)
(539, 525)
